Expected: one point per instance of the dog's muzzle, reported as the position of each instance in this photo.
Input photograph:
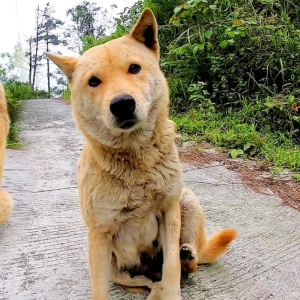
(123, 108)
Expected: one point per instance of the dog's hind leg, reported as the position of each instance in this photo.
(193, 236)
(195, 246)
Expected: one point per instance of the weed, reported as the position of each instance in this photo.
(243, 139)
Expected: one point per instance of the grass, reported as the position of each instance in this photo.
(13, 141)
(241, 139)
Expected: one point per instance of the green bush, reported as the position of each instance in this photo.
(242, 52)
(18, 90)
(15, 92)
(40, 94)
(66, 95)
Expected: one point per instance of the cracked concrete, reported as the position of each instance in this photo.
(43, 245)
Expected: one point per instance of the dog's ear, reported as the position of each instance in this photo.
(145, 30)
(66, 63)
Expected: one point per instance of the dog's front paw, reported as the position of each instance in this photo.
(100, 297)
(158, 292)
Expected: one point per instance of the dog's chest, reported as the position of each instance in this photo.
(119, 190)
(117, 202)
(130, 214)
(136, 193)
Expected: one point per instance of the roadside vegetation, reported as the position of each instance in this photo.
(234, 72)
(16, 92)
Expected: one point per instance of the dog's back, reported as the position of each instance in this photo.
(6, 201)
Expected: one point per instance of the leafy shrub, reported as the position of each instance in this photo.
(67, 95)
(242, 52)
(40, 94)
(15, 92)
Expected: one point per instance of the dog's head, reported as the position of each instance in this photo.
(117, 88)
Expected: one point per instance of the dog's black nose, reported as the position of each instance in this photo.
(123, 107)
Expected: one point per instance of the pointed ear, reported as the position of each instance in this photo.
(145, 30)
(66, 63)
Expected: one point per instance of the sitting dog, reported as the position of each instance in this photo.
(129, 175)
(6, 201)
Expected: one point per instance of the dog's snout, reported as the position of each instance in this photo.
(123, 107)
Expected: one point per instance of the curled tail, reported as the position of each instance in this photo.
(217, 245)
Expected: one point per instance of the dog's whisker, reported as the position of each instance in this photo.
(87, 123)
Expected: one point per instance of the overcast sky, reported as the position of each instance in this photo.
(17, 17)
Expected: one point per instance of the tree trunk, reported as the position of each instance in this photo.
(30, 61)
(36, 47)
(48, 67)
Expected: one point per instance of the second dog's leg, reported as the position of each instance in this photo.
(6, 206)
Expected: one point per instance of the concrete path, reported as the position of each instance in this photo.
(43, 246)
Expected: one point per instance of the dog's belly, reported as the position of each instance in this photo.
(136, 236)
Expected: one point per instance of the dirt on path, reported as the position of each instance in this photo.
(257, 174)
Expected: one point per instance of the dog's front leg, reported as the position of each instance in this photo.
(169, 287)
(100, 254)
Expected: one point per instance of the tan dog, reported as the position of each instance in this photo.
(6, 201)
(129, 176)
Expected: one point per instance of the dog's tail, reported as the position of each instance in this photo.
(217, 245)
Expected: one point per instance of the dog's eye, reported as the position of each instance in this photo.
(134, 69)
(94, 81)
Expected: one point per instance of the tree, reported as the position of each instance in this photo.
(46, 29)
(121, 25)
(88, 20)
(2, 71)
(15, 63)
(29, 56)
(61, 83)
(36, 41)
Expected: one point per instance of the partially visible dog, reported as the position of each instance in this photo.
(129, 176)
(6, 201)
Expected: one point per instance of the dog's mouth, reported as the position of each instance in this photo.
(127, 124)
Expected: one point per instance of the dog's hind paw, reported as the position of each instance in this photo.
(186, 254)
(188, 258)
